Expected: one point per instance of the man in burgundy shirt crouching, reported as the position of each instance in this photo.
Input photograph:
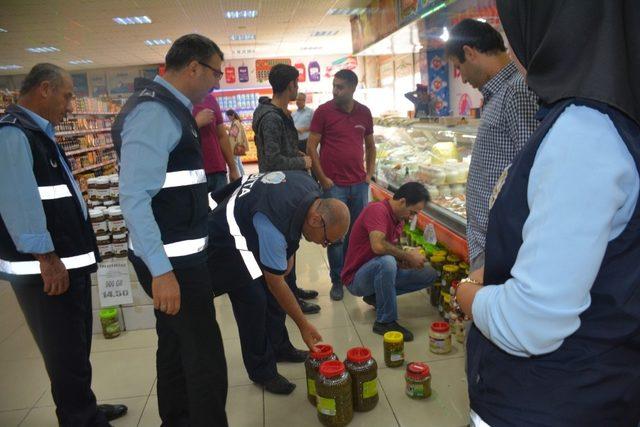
(376, 268)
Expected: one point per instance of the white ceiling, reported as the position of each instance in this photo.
(84, 29)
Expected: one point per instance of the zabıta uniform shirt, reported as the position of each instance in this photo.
(377, 216)
(342, 143)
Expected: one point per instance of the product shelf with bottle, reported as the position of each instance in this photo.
(437, 154)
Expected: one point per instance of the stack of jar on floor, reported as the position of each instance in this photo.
(338, 389)
(106, 217)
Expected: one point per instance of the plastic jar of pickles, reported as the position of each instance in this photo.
(110, 323)
(440, 338)
(393, 349)
(334, 394)
(418, 380)
(364, 378)
(453, 259)
(450, 273)
(312, 367)
(437, 262)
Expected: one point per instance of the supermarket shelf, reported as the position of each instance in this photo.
(86, 150)
(82, 132)
(94, 113)
(92, 167)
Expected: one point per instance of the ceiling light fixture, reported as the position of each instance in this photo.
(242, 37)
(43, 49)
(157, 42)
(433, 10)
(347, 11)
(324, 33)
(132, 20)
(311, 47)
(240, 14)
(244, 51)
(10, 67)
(81, 61)
(2, 30)
(445, 34)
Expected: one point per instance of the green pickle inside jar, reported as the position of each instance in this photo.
(312, 365)
(450, 273)
(334, 394)
(110, 323)
(437, 262)
(393, 349)
(364, 378)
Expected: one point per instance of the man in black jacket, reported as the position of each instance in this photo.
(277, 142)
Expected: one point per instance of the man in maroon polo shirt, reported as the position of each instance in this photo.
(344, 130)
(216, 150)
(376, 268)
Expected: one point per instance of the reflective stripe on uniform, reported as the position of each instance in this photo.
(241, 243)
(183, 247)
(184, 178)
(20, 268)
(51, 192)
(212, 203)
(476, 421)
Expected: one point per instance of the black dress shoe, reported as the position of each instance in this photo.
(336, 293)
(113, 412)
(278, 385)
(306, 293)
(293, 355)
(308, 307)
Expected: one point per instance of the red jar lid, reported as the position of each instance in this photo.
(418, 370)
(442, 327)
(324, 351)
(358, 355)
(332, 368)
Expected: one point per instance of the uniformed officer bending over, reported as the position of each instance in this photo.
(163, 193)
(253, 234)
(47, 246)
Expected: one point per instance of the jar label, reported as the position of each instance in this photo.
(113, 327)
(99, 226)
(117, 225)
(326, 406)
(119, 248)
(396, 356)
(103, 193)
(113, 191)
(311, 387)
(369, 389)
(415, 390)
(104, 249)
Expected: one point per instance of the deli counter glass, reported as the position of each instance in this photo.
(436, 154)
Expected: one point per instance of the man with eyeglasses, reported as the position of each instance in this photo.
(376, 268)
(163, 194)
(216, 150)
(254, 233)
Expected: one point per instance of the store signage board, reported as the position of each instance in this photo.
(263, 66)
(114, 283)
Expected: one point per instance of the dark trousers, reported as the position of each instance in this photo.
(62, 326)
(192, 370)
(216, 181)
(262, 329)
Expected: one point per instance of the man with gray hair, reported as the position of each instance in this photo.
(47, 246)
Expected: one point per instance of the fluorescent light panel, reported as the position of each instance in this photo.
(347, 11)
(2, 30)
(240, 14)
(132, 20)
(324, 33)
(243, 51)
(43, 49)
(157, 42)
(311, 47)
(81, 61)
(10, 67)
(242, 37)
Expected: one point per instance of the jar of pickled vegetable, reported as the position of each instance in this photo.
(456, 324)
(312, 365)
(393, 349)
(453, 259)
(437, 262)
(450, 274)
(464, 268)
(364, 378)
(418, 380)
(440, 338)
(335, 401)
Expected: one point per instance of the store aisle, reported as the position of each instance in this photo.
(124, 368)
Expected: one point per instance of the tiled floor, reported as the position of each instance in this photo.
(124, 368)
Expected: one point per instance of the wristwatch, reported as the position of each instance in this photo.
(454, 295)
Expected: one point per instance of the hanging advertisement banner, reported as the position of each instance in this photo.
(439, 80)
(230, 74)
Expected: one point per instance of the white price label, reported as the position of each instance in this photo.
(114, 283)
(429, 234)
(414, 222)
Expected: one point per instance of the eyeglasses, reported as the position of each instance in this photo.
(216, 73)
(326, 241)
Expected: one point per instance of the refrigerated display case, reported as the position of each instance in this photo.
(436, 153)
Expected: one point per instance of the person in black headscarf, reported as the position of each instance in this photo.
(556, 333)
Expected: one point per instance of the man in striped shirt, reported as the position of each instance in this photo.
(478, 52)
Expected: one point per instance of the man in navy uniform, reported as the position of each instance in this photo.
(254, 233)
(163, 193)
(47, 246)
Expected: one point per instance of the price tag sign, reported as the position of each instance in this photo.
(429, 234)
(114, 283)
(414, 223)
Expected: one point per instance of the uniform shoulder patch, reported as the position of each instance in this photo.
(274, 178)
(148, 92)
